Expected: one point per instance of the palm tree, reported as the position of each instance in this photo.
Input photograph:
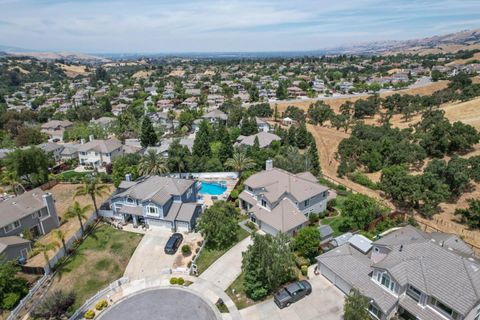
(240, 162)
(45, 248)
(94, 189)
(10, 178)
(76, 210)
(60, 235)
(152, 164)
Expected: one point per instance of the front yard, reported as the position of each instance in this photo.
(209, 256)
(98, 261)
(236, 292)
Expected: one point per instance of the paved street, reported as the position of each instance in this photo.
(324, 303)
(163, 304)
(149, 259)
(226, 269)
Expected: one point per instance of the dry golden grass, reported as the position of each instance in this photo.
(72, 71)
(63, 195)
(476, 56)
(142, 74)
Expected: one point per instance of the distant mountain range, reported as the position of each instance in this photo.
(453, 42)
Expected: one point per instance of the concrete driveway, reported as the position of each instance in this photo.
(324, 303)
(149, 259)
(228, 267)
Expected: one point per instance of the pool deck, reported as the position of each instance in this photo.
(231, 183)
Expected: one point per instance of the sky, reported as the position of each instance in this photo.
(165, 26)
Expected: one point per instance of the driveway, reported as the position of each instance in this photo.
(228, 267)
(149, 259)
(324, 303)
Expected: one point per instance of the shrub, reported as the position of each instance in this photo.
(234, 195)
(102, 304)
(55, 305)
(197, 250)
(180, 281)
(322, 215)
(10, 300)
(189, 264)
(301, 261)
(186, 250)
(304, 270)
(313, 218)
(331, 204)
(90, 314)
(251, 225)
(362, 179)
(173, 280)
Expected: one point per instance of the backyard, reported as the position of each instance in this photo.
(98, 261)
(209, 256)
(63, 196)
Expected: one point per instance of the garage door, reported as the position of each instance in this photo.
(267, 228)
(159, 224)
(182, 226)
(335, 279)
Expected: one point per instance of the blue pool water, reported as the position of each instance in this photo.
(213, 189)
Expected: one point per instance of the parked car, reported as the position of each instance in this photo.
(173, 243)
(292, 293)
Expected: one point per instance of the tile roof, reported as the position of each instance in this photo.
(284, 217)
(13, 209)
(103, 146)
(265, 139)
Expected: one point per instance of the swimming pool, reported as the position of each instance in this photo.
(213, 188)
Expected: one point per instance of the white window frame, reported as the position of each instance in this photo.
(263, 203)
(12, 226)
(306, 203)
(129, 200)
(155, 210)
(373, 310)
(434, 303)
(412, 293)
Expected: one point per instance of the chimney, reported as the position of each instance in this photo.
(49, 202)
(269, 164)
(128, 177)
(90, 137)
(82, 141)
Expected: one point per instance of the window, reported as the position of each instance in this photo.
(375, 311)
(306, 203)
(385, 280)
(12, 226)
(443, 308)
(151, 210)
(264, 203)
(130, 201)
(477, 315)
(189, 193)
(376, 249)
(414, 293)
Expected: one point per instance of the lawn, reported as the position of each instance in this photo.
(335, 223)
(239, 297)
(209, 256)
(98, 261)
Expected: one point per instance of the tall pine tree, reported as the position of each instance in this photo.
(201, 145)
(312, 156)
(148, 136)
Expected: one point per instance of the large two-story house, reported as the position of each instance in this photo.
(411, 273)
(279, 201)
(98, 153)
(32, 212)
(159, 202)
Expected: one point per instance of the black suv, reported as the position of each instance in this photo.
(173, 243)
(292, 293)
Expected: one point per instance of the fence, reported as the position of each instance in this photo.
(14, 313)
(69, 243)
(205, 175)
(193, 267)
(100, 294)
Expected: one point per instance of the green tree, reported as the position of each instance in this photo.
(148, 137)
(92, 187)
(240, 162)
(307, 242)
(312, 157)
(471, 215)
(356, 306)
(267, 264)
(152, 164)
(319, 112)
(79, 212)
(31, 165)
(302, 137)
(12, 288)
(60, 236)
(360, 210)
(218, 225)
(179, 157)
(201, 144)
(45, 248)
(126, 164)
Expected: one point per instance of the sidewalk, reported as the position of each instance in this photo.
(228, 267)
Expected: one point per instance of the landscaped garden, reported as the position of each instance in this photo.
(98, 261)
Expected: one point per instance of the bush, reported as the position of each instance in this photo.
(180, 281)
(313, 218)
(363, 180)
(173, 280)
(322, 215)
(331, 204)
(186, 250)
(55, 305)
(189, 264)
(10, 300)
(301, 261)
(90, 314)
(197, 250)
(304, 270)
(102, 304)
(251, 225)
(234, 195)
